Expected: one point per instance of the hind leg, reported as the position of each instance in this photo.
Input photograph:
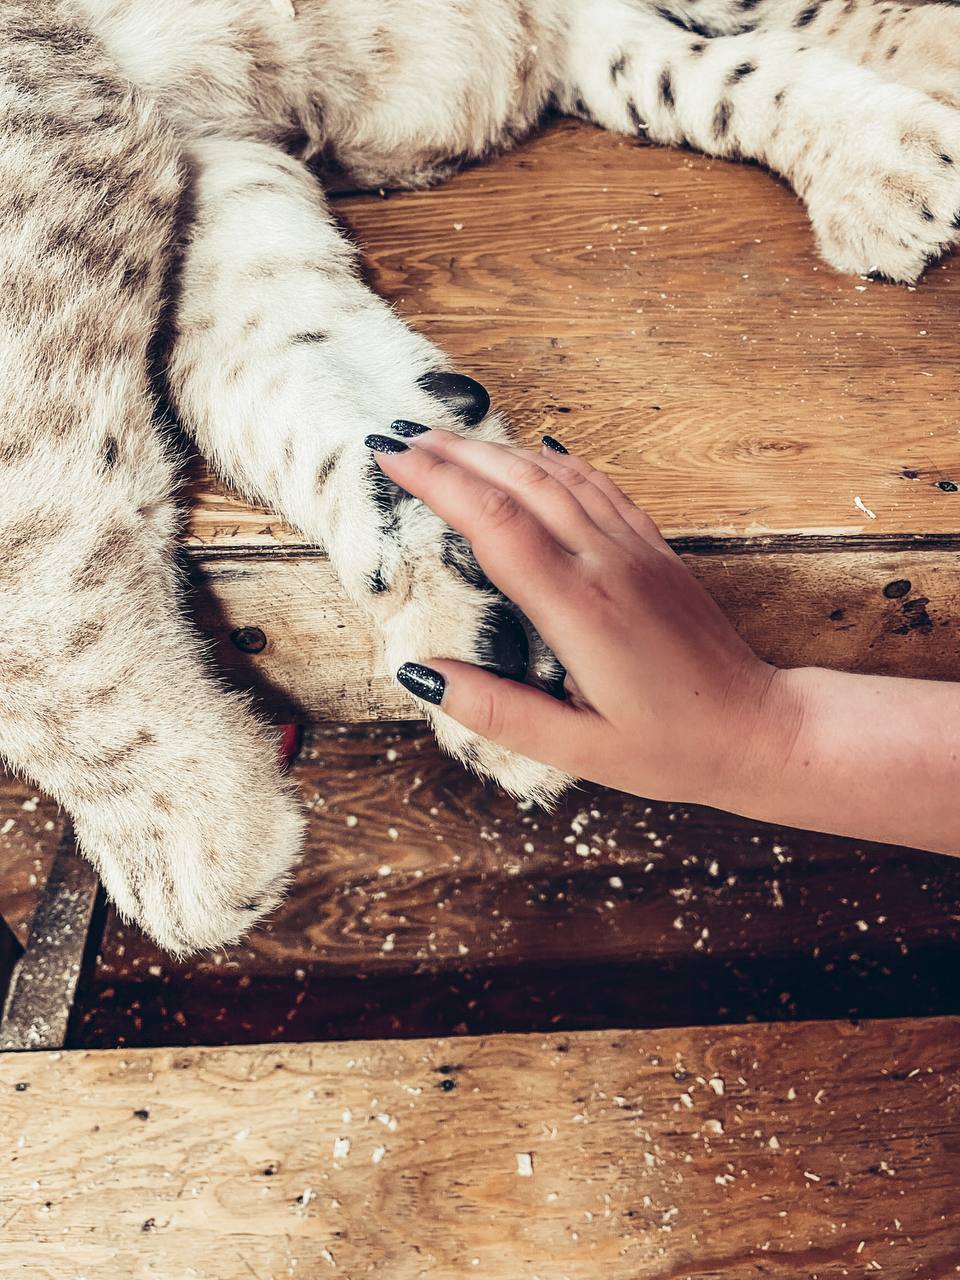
(105, 700)
(873, 161)
(107, 704)
(911, 44)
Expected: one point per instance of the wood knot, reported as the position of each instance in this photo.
(249, 640)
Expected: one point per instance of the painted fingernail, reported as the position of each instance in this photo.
(404, 428)
(383, 444)
(422, 682)
(555, 445)
(464, 396)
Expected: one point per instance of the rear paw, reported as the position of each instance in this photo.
(890, 205)
(197, 863)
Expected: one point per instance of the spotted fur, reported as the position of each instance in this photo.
(161, 214)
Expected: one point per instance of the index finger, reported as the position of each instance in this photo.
(512, 547)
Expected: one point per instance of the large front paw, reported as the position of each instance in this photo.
(449, 610)
(886, 201)
(432, 600)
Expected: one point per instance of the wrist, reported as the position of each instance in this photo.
(767, 739)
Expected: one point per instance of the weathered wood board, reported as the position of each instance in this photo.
(39, 1001)
(892, 612)
(428, 903)
(821, 1151)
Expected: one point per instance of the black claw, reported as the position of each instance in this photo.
(464, 396)
(457, 555)
(553, 683)
(504, 644)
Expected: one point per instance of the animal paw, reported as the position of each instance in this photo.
(451, 611)
(438, 603)
(886, 202)
(202, 853)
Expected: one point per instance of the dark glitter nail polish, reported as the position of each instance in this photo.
(555, 445)
(423, 682)
(383, 444)
(407, 429)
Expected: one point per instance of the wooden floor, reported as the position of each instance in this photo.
(819, 1151)
(666, 315)
(429, 904)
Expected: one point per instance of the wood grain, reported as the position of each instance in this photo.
(30, 830)
(822, 1151)
(39, 1002)
(891, 612)
(10, 952)
(666, 315)
(427, 903)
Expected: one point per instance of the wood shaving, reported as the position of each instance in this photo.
(859, 503)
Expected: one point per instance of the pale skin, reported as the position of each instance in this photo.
(663, 698)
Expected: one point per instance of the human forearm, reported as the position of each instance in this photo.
(873, 757)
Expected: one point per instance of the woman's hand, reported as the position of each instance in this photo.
(664, 698)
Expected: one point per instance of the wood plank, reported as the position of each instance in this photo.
(39, 1002)
(30, 830)
(666, 315)
(821, 1151)
(891, 612)
(10, 952)
(427, 903)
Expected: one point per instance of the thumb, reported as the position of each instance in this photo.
(519, 717)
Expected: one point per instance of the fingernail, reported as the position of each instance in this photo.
(404, 428)
(422, 682)
(555, 445)
(383, 444)
(464, 396)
